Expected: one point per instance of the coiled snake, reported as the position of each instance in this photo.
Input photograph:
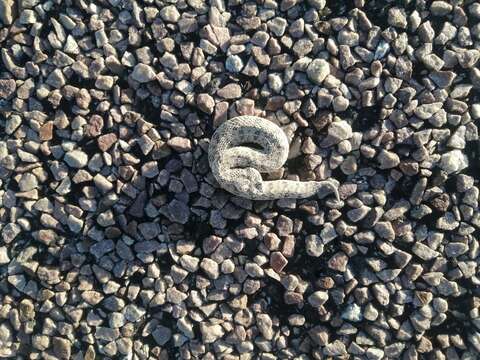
(236, 165)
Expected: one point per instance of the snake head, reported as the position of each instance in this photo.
(327, 187)
(247, 183)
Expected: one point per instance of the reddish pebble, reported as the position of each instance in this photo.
(106, 141)
(278, 261)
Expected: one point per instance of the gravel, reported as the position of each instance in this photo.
(116, 241)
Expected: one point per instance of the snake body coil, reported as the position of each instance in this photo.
(237, 165)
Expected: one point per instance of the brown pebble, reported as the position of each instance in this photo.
(230, 91)
(292, 298)
(7, 88)
(278, 261)
(441, 202)
(272, 241)
(95, 125)
(180, 144)
(210, 243)
(326, 282)
(275, 103)
(338, 262)
(46, 131)
(288, 246)
(106, 141)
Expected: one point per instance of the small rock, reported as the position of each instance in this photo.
(314, 245)
(230, 91)
(210, 267)
(318, 298)
(318, 4)
(447, 222)
(210, 333)
(46, 131)
(424, 252)
(178, 211)
(397, 18)
(28, 182)
(4, 258)
(277, 26)
(337, 132)
(278, 261)
(7, 86)
(338, 262)
(205, 103)
(62, 348)
(426, 111)
(387, 159)
(133, 313)
(180, 144)
(162, 335)
(10, 232)
(353, 313)
(284, 225)
(143, 73)
(104, 82)
(264, 324)
(318, 70)
(234, 63)
(106, 141)
(56, 79)
(170, 14)
(453, 161)
(76, 159)
(337, 348)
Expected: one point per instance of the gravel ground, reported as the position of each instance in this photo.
(116, 241)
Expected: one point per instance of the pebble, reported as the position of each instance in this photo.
(318, 70)
(336, 348)
(170, 13)
(397, 17)
(337, 132)
(277, 26)
(4, 258)
(264, 324)
(143, 73)
(46, 131)
(453, 161)
(230, 91)
(388, 159)
(278, 261)
(133, 313)
(210, 267)
(106, 141)
(178, 211)
(76, 159)
(205, 103)
(424, 252)
(234, 63)
(426, 111)
(62, 348)
(28, 182)
(162, 335)
(318, 4)
(318, 298)
(10, 231)
(210, 332)
(353, 313)
(7, 87)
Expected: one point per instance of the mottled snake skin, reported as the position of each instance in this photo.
(237, 165)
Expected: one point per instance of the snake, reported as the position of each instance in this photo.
(243, 147)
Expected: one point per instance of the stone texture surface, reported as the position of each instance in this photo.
(118, 241)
